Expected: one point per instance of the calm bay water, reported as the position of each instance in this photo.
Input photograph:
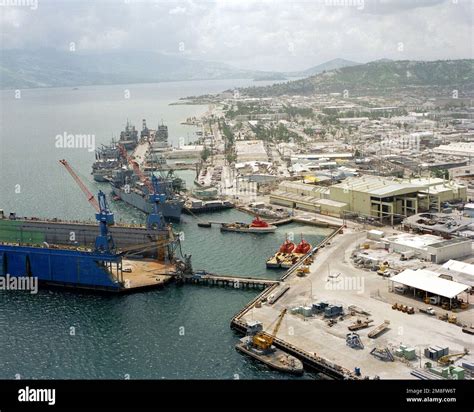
(115, 336)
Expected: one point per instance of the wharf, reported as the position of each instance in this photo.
(322, 345)
(287, 221)
(167, 167)
(310, 221)
(236, 282)
(310, 360)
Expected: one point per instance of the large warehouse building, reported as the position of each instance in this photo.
(385, 198)
(381, 197)
(310, 197)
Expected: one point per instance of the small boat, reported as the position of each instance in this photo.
(274, 358)
(287, 246)
(283, 254)
(257, 226)
(204, 224)
(291, 260)
(303, 247)
(274, 262)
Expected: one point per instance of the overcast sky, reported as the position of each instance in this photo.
(253, 34)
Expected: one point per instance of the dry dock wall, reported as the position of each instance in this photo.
(73, 234)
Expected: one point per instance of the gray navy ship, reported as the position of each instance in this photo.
(111, 166)
(107, 159)
(128, 188)
(129, 137)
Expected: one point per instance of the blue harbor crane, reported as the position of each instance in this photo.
(104, 242)
(155, 219)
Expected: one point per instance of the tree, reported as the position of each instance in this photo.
(441, 173)
(205, 153)
(231, 157)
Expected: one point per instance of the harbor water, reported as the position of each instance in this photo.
(178, 332)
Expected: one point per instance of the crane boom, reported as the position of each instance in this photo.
(104, 242)
(136, 168)
(264, 341)
(90, 197)
(278, 324)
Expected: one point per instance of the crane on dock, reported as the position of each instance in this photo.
(155, 196)
(264, 341)
(104, 242)
(448, 359)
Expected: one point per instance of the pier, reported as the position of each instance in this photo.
(310, 360)
(291, 219)
(236, 282)
(313, 251)
(287, 221)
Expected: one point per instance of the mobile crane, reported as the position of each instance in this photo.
(264, 341)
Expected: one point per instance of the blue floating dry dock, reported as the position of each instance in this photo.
(63, 267)
(102, 267)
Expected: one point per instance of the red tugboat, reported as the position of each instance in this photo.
(287, 246)
(283, 253)
(303, 247)
(257, 226)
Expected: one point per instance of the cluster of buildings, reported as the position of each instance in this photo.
(384, 158)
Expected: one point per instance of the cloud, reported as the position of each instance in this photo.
(394, 6)
(257, 34)
(178, 10)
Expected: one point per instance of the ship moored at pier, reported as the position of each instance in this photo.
(257, 226)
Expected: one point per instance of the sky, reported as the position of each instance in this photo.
(274, 35)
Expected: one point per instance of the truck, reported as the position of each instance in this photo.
(429, 311)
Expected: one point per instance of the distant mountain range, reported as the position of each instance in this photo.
(51, 68)
(20, 69)
(380, 75)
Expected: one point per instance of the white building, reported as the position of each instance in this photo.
(429, 247)
(460, 270)
(457, 149)
(250, 150)
(462, 171)
(430, 282)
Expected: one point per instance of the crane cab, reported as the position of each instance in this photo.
(253, 327)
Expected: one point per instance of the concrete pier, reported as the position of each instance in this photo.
(236, 282)
(320, 342)
(311, 361)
